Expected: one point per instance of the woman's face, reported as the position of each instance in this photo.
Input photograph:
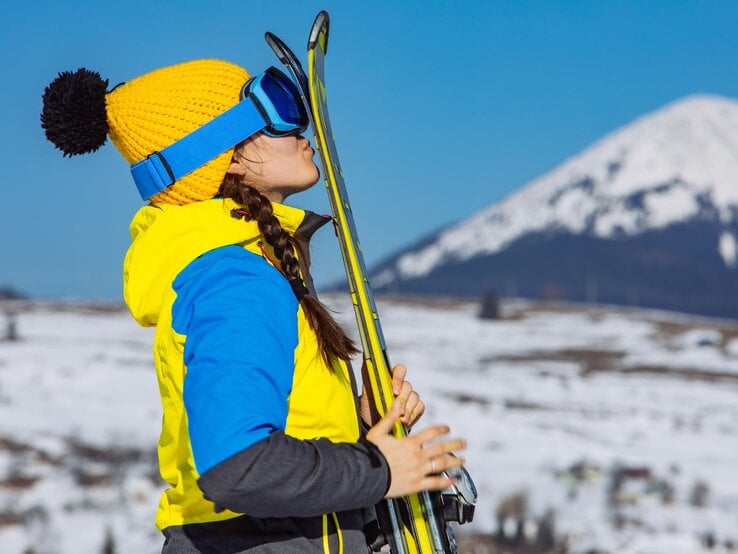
(276, 167)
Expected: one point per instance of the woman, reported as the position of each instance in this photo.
(264, 445)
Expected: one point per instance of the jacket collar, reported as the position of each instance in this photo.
(166, 238)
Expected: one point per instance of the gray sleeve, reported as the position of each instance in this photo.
(281, 476)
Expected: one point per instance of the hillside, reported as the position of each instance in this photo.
(611, 427)
(647, 216)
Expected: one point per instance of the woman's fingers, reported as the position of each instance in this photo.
(430, 433)
(442, 463)
(412, 402)
(398, 378)
(436, 483)
(414, 461)
(445, 447)
(385, 425)
(406, 391)
(418, 412)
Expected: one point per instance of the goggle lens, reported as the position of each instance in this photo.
(279, 102)
(285, 97)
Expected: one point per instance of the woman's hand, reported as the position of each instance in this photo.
(413, 406)
(414, 461)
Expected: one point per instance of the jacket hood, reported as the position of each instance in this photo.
(166, 238)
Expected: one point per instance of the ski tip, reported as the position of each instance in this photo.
(275, 43)
(319, 32)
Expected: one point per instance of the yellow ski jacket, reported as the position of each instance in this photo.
(256, 427)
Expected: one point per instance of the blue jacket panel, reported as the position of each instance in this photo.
(238, 314)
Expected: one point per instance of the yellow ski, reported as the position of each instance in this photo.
(418, 523)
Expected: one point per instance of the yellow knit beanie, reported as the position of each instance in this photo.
(150, 112)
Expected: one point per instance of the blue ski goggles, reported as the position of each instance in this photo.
(278, 100)
(270, 103)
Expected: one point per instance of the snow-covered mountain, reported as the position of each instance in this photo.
(660, 194)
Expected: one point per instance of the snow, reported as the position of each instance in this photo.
(534, 393)
(79, 411)
(674, 160)
(727, 248)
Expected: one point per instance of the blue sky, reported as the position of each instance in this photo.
(439, 107)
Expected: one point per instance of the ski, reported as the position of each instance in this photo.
(418, 523)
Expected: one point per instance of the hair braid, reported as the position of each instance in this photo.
(333, 341)
(261, 210)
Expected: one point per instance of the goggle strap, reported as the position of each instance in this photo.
(160, 169)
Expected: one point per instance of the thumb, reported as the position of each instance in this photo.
(386, 424)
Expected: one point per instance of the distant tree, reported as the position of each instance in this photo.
(699, 495)
(9, 293)
(10, 304)
(109, 544)
(709, 540)
(546, 538)
(510, 513)
(11, 327)
(490, 308)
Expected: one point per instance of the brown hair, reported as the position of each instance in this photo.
(333, 341)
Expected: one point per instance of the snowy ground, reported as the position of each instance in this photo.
(622, 424)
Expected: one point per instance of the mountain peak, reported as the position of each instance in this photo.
(694, 103)
(673, 164)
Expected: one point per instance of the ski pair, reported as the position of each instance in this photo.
(419, 523)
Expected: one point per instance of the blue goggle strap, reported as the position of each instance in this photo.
(160, 169)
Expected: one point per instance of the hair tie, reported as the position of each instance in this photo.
(299, 288)
(238, 213)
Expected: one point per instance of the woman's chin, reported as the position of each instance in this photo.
(300, 188)
(313, 178)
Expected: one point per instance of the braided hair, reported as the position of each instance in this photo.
(333, 341)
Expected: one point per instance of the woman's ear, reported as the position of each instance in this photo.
(236, 168)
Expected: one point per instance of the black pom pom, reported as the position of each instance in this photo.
(73, 113)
